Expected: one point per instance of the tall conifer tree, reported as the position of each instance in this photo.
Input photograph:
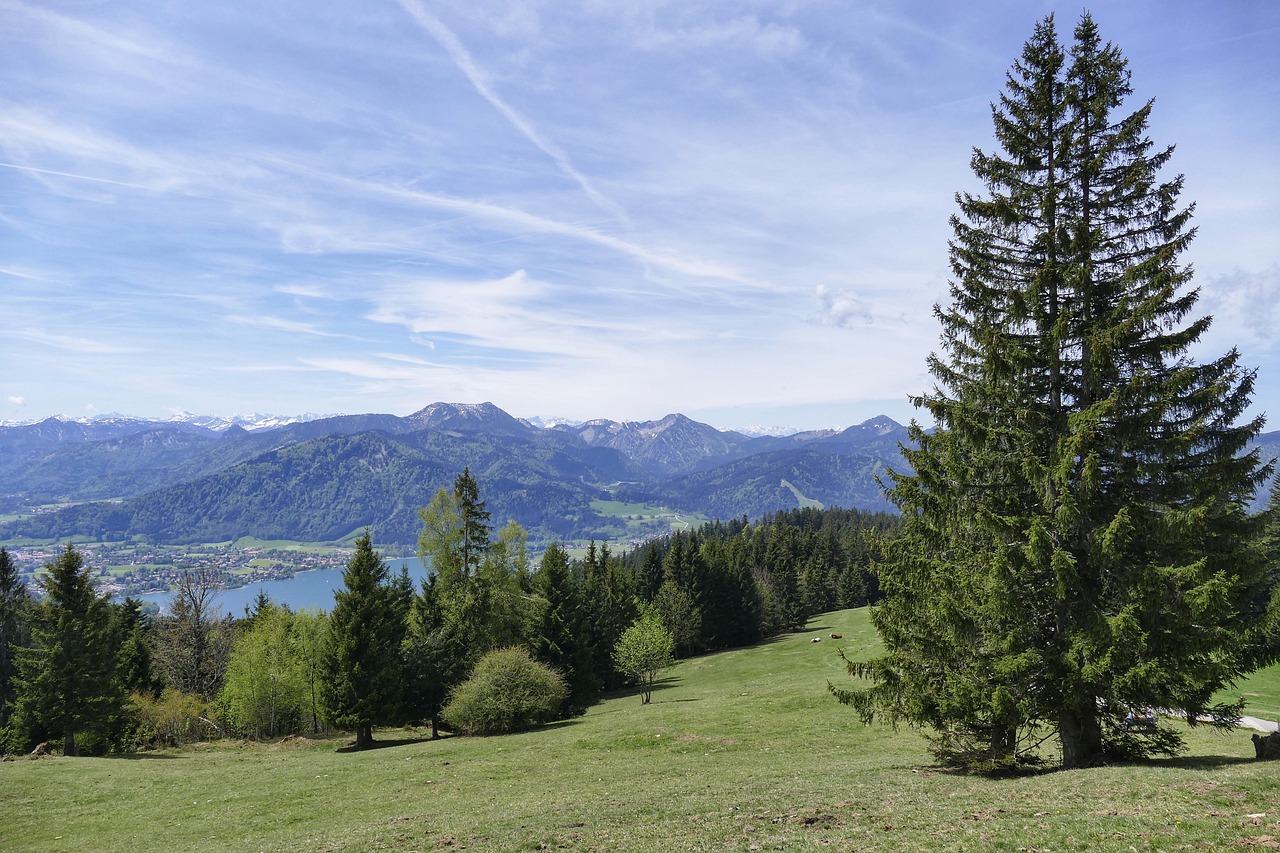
(67, 683)
(14, 630)
(1077, 544)
(361, 685)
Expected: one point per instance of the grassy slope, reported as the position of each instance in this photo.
(740, 751)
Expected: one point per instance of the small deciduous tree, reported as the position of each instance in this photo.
(265, 691)
(310, 642)
(643, 651)
(193, 641)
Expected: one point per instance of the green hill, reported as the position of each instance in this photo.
(743, 750)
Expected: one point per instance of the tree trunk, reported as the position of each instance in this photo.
(69, 743)
(435, 726)
(1081, 735)
(364, 737)
(1004, 745)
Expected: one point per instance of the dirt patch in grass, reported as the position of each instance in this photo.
(718, 741)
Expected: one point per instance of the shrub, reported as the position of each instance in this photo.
(170, 719)
(506, 692)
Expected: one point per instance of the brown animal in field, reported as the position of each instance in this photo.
(837, 636)
(1267, 747)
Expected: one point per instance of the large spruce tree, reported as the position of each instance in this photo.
(1077, 543)
(14, 631)
(66, 684)
(361, 671)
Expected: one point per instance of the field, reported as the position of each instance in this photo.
(627, 523)
(743, 750)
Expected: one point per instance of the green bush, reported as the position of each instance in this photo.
(170, 719)
(506, 692)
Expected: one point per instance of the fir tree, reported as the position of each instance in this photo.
(67, 685)
(362, 674)
(609, 607)
(561, 640)
(14, 630)
(473, 521)
(1077, 544)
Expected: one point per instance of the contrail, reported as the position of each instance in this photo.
(34, 170)
(467, 66)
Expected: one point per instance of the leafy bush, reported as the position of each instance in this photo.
(507, 691)
(170, 719)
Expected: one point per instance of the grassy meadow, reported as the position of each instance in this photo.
(743, 750)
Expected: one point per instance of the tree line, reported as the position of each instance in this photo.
(487, 642)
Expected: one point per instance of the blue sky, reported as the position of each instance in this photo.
(584, 209)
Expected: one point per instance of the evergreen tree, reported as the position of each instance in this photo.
(362, 672)
(609, 606)
(561, 638)
(678, 612)
(728, 597)
(473, 521)
(434, 654)
(14, 630)
(1077, 544)
(475, 600)
(130, 636)
(651, 573)
(67, 685)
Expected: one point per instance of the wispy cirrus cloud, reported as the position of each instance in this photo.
(280, 324)
(598, 209)
(467, 65)
(82, 344)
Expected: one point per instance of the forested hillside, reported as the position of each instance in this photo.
(325, 479)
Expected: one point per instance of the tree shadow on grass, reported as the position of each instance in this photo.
(636, 690)
(140, 756)
(1181, 762)
(554, 724)
(1201, 762)
(386, 744)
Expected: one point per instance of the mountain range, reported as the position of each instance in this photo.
(321, 478)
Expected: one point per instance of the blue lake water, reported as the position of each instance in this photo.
(305, 590)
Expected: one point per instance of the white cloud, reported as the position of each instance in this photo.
(280, 324)
(1243, 300)
(842, 308)
(591, 208)
(746, 31)
(18, 401)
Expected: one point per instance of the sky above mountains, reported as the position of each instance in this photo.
(585, 209)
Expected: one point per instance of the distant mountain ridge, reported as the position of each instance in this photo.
(321, 479)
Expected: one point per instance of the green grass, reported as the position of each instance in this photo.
(284, 545)
(1261, 692)
(743, 750)
(805, 503)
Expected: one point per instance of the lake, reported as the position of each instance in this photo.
(304, 590)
